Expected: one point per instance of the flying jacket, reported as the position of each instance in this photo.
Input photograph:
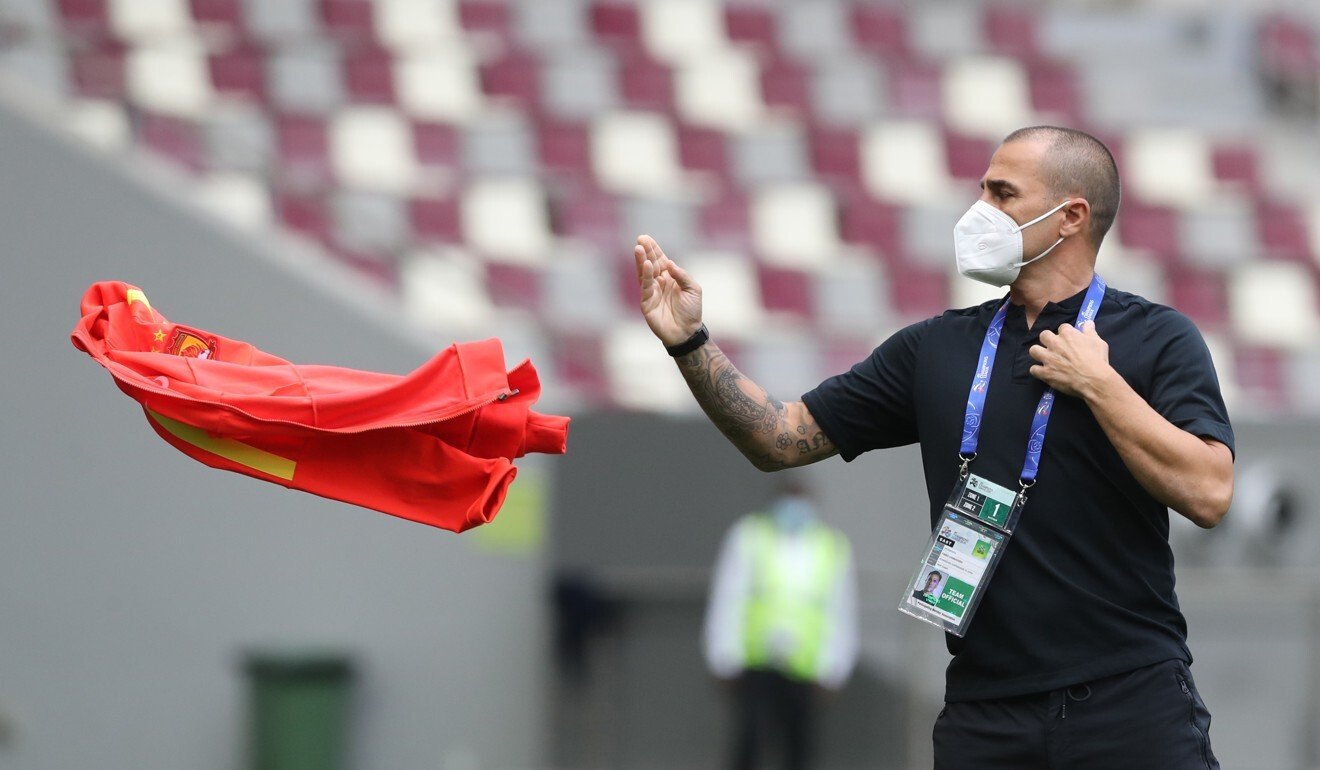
(435, 446)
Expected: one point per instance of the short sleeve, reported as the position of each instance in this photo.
(871, 406)
(1184, 388)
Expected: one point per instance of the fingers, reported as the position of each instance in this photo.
(1088, 328)
(639, 256)
(1037, 371)
(1047, 338)
(1037, 352)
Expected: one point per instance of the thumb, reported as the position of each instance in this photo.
(1088, 329)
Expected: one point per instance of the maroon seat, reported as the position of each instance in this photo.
(1010, 30)
(580, 363)
(304, 214)
(514, 286)
(915, 90)
(221, 14)
(1199, 293)
(702, 149)
(1237, 164)
(436, 220)
(784, 290)
(725, 222)
(98, 70)
(85, 19)
(303, 149)
(172, 138)
(751, 23)
(616, 22)
(1150, 227)
(1261, 376)
(435, 144)
(868, 222)
(1288, 49)
(564, 146)
(513, 76)
(1054, 91)
(836, 156)
(646, 83)
(348, 20)
(583, 212)
(917, 291)
(1282, 230)
(369, 75)
(881, 30)
(239, 72)
(784, 85)
(491, 16)
(967, 155)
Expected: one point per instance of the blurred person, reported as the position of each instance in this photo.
(1078, 654)
(781, 625)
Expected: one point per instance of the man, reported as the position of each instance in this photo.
(1077, 656)
(781, 623)
(930, 592)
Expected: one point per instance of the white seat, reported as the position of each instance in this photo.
(986, 97)
(150, 20)
(101, 124)
(731, 295)
(440, 84)
(507, 220)
(675, 31)
(240, 199)
(813, 30)
(369, 222)
(850, 297)
(720, 89)
(635, 152)
(372, 148)
(445, 289)
(1219, 233)
(30, 15)
(170, 78)
(905, 162)
(239, 137)
(408, 25)
(1273, 303)
(785, 363)
(551, 24)
(795, 225)
(283, 20)
(927, 231)
(306, 77)
(1221, 354)
(580, 83)
(1131, 271)
(848, 91)
(499, 143)
(772, 152)
(640, 375)
(944, 30)
(1169, 166)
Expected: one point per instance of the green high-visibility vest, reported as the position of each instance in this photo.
(786, 618)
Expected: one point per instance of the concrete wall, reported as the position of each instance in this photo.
(131, 577)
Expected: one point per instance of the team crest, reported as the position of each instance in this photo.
(190, 344)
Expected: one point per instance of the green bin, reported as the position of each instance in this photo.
(299, 710)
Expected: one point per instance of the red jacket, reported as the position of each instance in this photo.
(434, 446)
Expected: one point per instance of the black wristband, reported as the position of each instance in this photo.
(698, 338)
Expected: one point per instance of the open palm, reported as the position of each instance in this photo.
(671, 300)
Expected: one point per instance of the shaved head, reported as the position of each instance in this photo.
(1077, 164)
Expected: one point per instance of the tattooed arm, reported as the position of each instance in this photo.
(772, 434)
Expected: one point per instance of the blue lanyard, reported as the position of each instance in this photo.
(1095, 294)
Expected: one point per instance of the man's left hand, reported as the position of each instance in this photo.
(1072, 362)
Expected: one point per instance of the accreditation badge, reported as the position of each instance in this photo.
(963, 551)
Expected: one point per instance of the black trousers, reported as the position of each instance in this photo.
(772, 710)
(1148, 719)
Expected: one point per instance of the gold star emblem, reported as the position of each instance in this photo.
(160, 335)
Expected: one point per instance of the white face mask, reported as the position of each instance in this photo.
(988, 244)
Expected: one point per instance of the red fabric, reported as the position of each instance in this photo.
(435, 446)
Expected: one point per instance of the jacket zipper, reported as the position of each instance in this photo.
(1202, 740)
(459, 410)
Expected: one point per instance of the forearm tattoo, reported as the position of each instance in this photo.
(755, 422)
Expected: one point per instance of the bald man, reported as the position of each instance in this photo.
(1077, 655)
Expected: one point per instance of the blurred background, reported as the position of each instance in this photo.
(361, 183)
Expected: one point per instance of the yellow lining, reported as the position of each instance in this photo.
(243, 454)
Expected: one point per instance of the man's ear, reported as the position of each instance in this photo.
(1076, 217)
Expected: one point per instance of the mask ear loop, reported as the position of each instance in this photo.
(1040, 218)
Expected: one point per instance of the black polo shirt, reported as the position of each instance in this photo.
(1085, 587)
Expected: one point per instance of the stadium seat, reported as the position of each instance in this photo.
(770, 153)
(239, 72)
(1169, 166)
(784, 87)
(795, 225)
(1281, 231)
(751, 23)
(671, 221)
(720, 89)
(943, 31)
(564, 147)
(616, 22)
(968, 156)
(849, 298)
(786, 291)
(348, 21)
(915, 90)
(1219, 234)
(445, 289)
(787, 362)
(369, 75)
(1055, 94)
(638, 378)
(869, 223)
(577, 292)
(435, 219)
(810, 31)
(1010, 30)
(239, 137)
(836, 156)
(514, 79)
(369, 222)
(499, 143)
(731, 291)
(150, 21)
(372, 148)
(551, 24)
(410, 26)
(287, 20)
(1273, 304)
(634, 152)
(703, 149)
(848, 91)
(439, 85)
(646, 83)
(506, 219)
(927, 231)
(305, 77)
(725, 222)
(239, 199)
(588, 215)
(987, 97)
(918, 292)
(485, 16)
(102, 124)
(170, 78)
(98, 71)
(514, 287)
(305, 215)
(1237, 165)
(435, 145)
(905, 162)
(881, 30)
(678, 31)
(580, 83)
(1201, 294)
(1153, 229)
(173, 138)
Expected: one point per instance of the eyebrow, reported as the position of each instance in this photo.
(999, 185)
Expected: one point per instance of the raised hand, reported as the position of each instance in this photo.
(671, 300)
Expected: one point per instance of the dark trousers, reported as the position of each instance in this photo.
(1148, 719)
(771, 709)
